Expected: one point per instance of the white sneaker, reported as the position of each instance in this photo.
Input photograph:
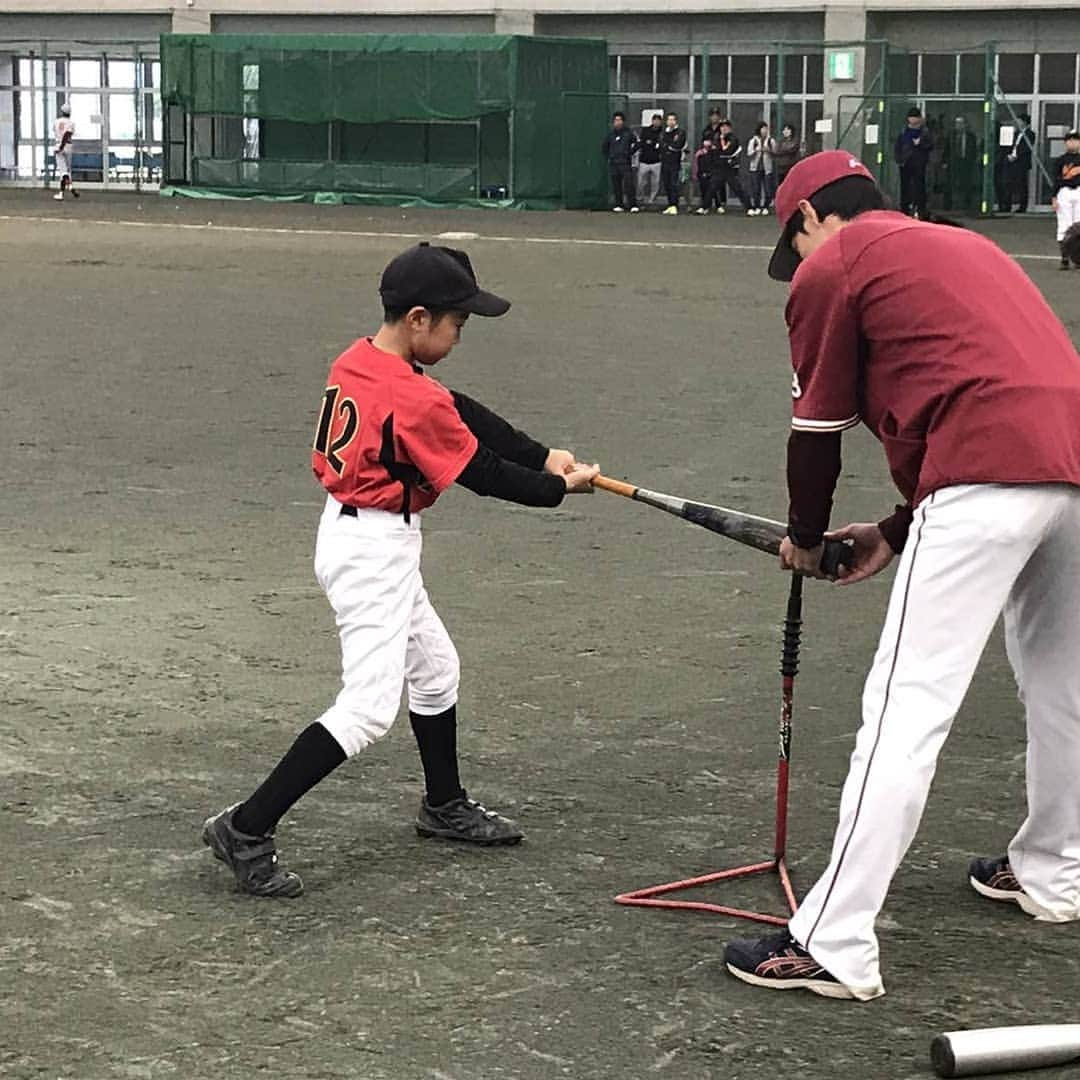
(635, 209)
(764, 211)
(618, 209)
(59, 196)
(721, 210)
(701, 210)
(672, 210)
(752, 212)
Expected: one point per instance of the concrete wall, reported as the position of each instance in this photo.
(82, 27)
(353, 24)
(730, 29)
(1021, 30)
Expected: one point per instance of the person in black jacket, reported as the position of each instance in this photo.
(727, 173)
(912, 152)
(619, 147)
(1014, 168)
(672, 145)
(649, 163)
(712, 129)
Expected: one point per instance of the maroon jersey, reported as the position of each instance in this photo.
(937, 341)
(386, 429)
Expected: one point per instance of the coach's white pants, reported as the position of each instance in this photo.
(973, 551)
(1068, 210)
(369, 566)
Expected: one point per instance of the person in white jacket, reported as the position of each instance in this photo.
(760, 151)
(64, 131)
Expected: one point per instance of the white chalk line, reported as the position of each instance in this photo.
(356, 234)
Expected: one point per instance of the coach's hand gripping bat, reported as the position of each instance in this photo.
(756, 532)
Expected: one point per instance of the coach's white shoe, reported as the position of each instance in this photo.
(618, 209)
(672, 210)
(59, 196)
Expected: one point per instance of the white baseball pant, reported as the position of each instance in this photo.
(369, 567)
(973, 551)
(1068, 210)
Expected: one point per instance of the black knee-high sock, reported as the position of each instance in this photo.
(436, 736)
(314, 755)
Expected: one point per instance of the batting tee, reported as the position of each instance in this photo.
(386, 118)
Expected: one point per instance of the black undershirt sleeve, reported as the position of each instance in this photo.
(498, 435)
(813, 467)
(488, 474)
(896, 526)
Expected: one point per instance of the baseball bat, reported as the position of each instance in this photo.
(1004, 1049)
(760, 533)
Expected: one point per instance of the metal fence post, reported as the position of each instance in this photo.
(45, 125)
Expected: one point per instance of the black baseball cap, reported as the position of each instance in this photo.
(437, 277)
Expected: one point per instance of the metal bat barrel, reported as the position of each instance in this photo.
(762, 534)
(1004, 1049)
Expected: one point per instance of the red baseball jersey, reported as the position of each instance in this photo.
(936, 340)
(385, 428)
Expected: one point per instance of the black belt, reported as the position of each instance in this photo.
(348, 511)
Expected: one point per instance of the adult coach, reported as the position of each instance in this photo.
(896, 323)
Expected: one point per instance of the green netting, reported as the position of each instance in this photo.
(426, 115)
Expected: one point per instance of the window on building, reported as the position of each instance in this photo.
(902, 72)
(793, 72)
(637, 74)
(35, 71)
(748, 74)
(718, 73)
(815, 73)
(1016, 73)
(938, 73)
(972, 73)
(121, 117)
(121, 74)
(613, 73)
(1057, 73)
(84, 73)
(672, 74)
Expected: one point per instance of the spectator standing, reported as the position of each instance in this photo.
(64, 131)
(730, 157)
(961, 164)
(760, 152)
(648, 173)
(789, 149)
(1066, 201)
(712, 129)
(1016, 168)
(912, 152)
(705, 169)
(672, 145)
(618, 149)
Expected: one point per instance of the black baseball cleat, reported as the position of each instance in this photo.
(994, 878)
(779, 962)
(466, 819)
(252, 859)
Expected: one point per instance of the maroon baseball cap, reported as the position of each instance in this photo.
(806, 179)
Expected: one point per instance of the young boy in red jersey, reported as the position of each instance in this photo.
(388, 442)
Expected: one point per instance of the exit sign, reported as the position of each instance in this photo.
(842, 66)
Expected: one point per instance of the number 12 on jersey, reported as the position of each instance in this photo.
(333, 411)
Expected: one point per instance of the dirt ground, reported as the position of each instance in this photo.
(162, 640)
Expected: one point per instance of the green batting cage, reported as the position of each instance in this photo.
(391, 118)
